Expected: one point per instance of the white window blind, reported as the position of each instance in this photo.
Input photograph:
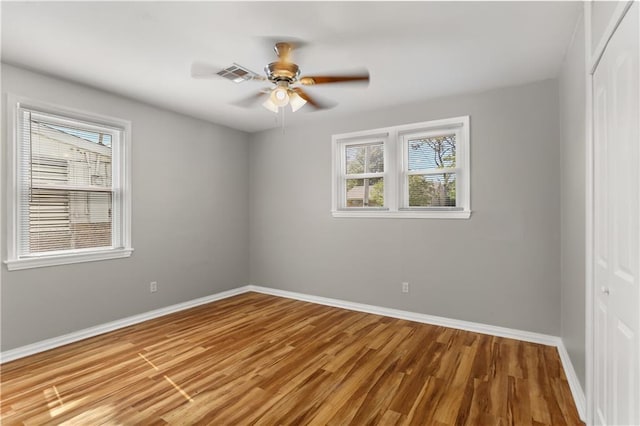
(431, 170)
(70, 189)
(67, 189)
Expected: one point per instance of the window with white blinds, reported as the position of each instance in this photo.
(430, 159)
(419, 170)
(71, 188)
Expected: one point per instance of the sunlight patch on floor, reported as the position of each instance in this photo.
(179, 389)
(148, 362)
(55, 403)
(104, 415)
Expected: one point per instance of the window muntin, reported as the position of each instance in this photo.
(70, 194)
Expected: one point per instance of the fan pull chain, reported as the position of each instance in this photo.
(282, 121)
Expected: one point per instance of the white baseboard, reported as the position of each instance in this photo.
(493, 330)
(574, 383)
(75, 336)
(527, 336)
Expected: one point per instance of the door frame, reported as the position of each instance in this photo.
(592, 59)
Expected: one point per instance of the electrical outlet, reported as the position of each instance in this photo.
(405, 287)
(153, 286)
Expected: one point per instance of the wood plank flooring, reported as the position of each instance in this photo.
(255, 359)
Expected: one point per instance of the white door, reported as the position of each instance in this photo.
(616, 390)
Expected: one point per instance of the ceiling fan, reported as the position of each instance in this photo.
(284, 75)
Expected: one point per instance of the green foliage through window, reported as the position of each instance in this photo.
(432, 190)
(430, 154)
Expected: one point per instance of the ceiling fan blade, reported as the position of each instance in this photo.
(325, 79)
(313, 101)
(251, 100)
(204, 70)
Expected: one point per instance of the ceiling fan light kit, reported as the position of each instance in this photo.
(284, 75)
(270, 105)
(280, 95)
(296, 101)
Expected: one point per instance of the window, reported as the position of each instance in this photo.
(364, 174)
(419, 170)
(69, 191)
(429, 174)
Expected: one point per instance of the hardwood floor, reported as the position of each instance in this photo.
(264, 360)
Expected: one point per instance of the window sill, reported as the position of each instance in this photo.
(64, 259)
(405, 214)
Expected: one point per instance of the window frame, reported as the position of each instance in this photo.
(344, 176)
(396, 170)
(457, 170)
(121, 184)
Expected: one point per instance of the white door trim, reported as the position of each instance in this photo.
(589, 347)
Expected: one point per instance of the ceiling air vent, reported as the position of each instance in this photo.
(237, 73)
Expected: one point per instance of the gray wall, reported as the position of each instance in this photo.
(509, 274)
(572, 87)
(500, 267)
(189, 225)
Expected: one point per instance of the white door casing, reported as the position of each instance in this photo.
(616, 222)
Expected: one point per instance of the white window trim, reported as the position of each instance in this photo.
(396, 192)
(121, 175)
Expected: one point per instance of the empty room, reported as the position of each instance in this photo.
(314, 213)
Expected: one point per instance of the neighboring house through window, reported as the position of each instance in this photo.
(419, 170)
(70, 194)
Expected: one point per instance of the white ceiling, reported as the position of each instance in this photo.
(413, 50)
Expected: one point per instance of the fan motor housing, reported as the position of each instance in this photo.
(279, 71)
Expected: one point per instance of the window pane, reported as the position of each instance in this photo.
(432, 153)
(66, 220)
(367, 158)
(91, 219)
(95, 137)
(67, 156)
(63, 158)
(375, 158)
(49, 225)
(365, 192)
(432, 190)
(355, 155)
